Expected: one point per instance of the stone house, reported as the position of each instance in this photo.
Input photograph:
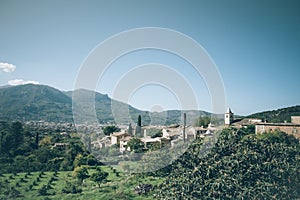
(292, 128)
(116, 137)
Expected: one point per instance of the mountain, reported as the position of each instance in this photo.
(40, 102)
(279, 115)
(32, 102)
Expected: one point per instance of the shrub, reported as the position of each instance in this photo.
(143, 189)
(13, 193)
(71, 188)
(43, 190)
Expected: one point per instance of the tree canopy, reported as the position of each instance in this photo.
(240, 165)
(136, 145)
(202, 121)
(99, 176)
(81, 173)
(110, 129)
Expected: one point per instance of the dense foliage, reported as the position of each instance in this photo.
(81, 173)
(239, 166)
(26, 148)
(136, 145)
(110, 129)
(202, 121)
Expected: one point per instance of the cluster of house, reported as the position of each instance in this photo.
(176, 133)
(170, 135)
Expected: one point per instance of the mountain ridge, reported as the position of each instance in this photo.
(278, 115)
(32, 102)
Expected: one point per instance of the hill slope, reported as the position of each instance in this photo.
(35, 102)
(280, 115)
(39, 102)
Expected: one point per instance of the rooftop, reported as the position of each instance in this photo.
(116, 134)
(228, 110)
(279, 124)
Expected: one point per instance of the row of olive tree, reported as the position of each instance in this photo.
(81, 173)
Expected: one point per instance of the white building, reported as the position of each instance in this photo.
(228, 117)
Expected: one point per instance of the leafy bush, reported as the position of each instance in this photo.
(43, 190)
(13, 193)
(71, 188)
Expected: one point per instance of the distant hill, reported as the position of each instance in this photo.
(279, 115)
(40, 102)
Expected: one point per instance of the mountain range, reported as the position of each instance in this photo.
(31, 102)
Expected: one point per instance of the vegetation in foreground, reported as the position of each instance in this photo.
(234, 164)
(63, 185)
(241, 165)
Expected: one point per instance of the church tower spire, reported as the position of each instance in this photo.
(228, 117)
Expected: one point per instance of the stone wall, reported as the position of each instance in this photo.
(293, 129)
(295, 119)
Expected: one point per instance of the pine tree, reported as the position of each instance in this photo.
(139, 121)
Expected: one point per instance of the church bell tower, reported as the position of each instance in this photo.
(228, 117)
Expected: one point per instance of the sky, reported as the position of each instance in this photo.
(254, 45)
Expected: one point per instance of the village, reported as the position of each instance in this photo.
(168, 136)
(162, 136)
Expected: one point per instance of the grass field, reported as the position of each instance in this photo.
(119, 185)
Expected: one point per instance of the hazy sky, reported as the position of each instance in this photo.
(254, 44)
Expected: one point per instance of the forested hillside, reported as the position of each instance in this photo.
(280, 115)
(34, 102)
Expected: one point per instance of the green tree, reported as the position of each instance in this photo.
(139, 121)
(136, 145)
(79, 160)
(99, 176)
(81, 173)
(12, 137)
(17, 133)
(43, 190)
(46, 141)
(202, 121)
(153, 146)
(110, 129)
(70, 188)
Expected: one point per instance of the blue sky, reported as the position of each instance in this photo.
(254, 44)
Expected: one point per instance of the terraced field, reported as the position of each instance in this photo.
(51, 185)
